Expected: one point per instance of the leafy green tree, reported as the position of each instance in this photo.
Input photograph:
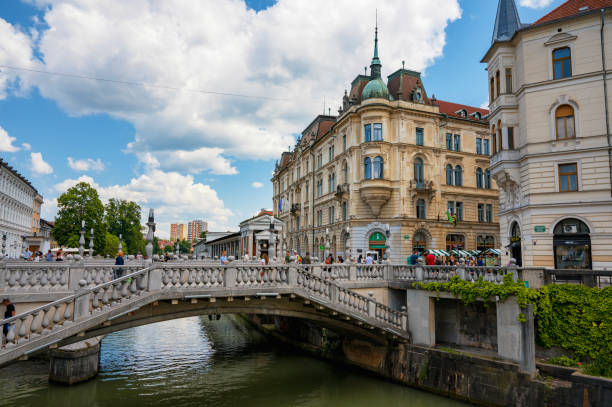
(123, 218)
(168, 249)
(203, 234)
(81, 202)
(185, 246)
(111, 247)
(156, 248)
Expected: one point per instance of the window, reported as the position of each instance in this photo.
(459, 210)
(486, 146)
(344, 210)
(478, 146)
(418, 171)
(331, 182)
(455, 242)
(562, 63)
(367, 168)
(420, 207)
(345, 172)
(485, 242)
(319, 188)
(457, 142)
(307, 165)
(331, 153)
(480, 212)
(494, 139)
(344, 142)
(319, 160)
(379, 168)
(508, 80)
(458, 176)
(487, 179)
(498, 83)
(297, 222)
(451, 207)
(564, 122)
(492, 90)
(500, 144)
(331, 214)
(568, 177)
(307, 194)
(479, 178)
(368, 132)
(449, 174)
(489, 213)
(449, 141)
(378, 132)
(299, 170)
(319, 218)
(419, 136)
(511, 138)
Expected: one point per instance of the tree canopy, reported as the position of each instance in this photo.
(123, 218)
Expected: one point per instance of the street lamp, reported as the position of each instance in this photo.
(82, 239)
(91, 243)
(3, 244)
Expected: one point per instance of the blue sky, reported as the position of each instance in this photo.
(188, 153)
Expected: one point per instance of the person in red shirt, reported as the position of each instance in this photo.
(430, 259)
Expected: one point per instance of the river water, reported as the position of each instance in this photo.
(196, 362)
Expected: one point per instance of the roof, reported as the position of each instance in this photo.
(571, 8)
(507, 21)
(376, 88)
(451, 110)
(410, 80)
(17, 174)
(231, 236)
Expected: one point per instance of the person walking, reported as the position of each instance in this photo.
(59, 256)
(369, 259)
(307, 259)
(413, 257)
(223, 259)
(430, 259)
(287, 257)
(118, 271)
(9, 312)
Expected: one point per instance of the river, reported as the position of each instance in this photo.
(196, 362)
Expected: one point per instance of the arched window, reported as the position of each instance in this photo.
(458, 176)
(367, 168)
(479, 177)
(418, 171)
(562, 63)
(421, 210)
(500, 143)
(345, 172)
(494, 140)
(564, 122)
(487, 180)
(498, 83)
(572, 244)
(379, 167)
(449, 174)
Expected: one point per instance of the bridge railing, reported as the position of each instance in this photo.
(89, 300)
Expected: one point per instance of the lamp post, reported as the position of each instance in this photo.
(347, 244)
(273, 238)
(178, 248)
(3, 244)
(120, 242)
(91, 243)
(150, 234)
(82, 239)
(326, 252)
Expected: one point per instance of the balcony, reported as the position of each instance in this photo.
(375, 193)
(422, 187)
(342, 191)
(295, 209)
(505, 156)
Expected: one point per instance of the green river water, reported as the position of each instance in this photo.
(196, 362)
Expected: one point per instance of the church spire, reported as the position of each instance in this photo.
(507, 21)
(375, 65)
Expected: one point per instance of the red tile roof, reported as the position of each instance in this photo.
(572, 7)
(450, 108)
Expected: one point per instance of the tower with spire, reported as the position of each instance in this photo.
(375, 88)
(507, 21)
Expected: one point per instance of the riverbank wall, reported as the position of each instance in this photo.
(468, 377)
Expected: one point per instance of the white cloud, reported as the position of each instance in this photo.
(86, 164)
(174, 197)
(257, 184)
(15, 51)
(485, 104)
(26, 146)
(535, 3)
(222, 46)
(38, 165)
(6, 142)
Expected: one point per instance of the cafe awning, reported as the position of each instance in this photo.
(496, 252)
(437, 252)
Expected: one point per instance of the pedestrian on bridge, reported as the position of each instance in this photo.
(118, 271)
(224, 260)
(9, 312)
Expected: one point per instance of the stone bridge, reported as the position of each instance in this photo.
(159, 291)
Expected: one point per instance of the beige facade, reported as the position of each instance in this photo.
(178, 231)
(36, 208)
(332, 201)
(552, 166)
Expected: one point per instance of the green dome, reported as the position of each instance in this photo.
(376, 88)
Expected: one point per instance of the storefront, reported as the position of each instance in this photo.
(455, 242)
(419, 242)
(515, 244)
(572, 245)
(483, 243)
(378, 243)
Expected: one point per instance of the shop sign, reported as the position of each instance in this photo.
(406, 236)
(515, 239)
(539, 228)
(321, 247)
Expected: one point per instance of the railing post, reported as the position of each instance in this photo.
(292, 276)
(76, 274)
(371, 305)
(511, 268)
(81, 303)
(154, 279)
(388, 272)
(419, 272)
(528, 364)
(230, 277)
(461, 269)
(3, 274)
(404, 319)
(353, 272)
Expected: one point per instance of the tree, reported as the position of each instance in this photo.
(185, 246)
(156, 248)
(203, 234)
(111, 247)
(80, 203)
(123, 218)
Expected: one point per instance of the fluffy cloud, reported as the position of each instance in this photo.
(535, 3)
(6, 142)
(86, 164)
(173, 196)
(257, 184)
(290, 62)
(15, 51)
(26, 146)
(38, 165)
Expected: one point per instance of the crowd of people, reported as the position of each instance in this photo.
(430, 259)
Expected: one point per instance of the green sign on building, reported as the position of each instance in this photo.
(539, 228)
(321, 247)
(406, 236)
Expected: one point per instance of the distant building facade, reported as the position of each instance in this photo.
(550, 131)
(178, 231)
(195, 228)
(389, 174)
(261, 234)
(17, 202)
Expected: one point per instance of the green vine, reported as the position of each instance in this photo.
(569, 316)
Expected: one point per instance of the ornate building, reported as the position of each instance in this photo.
(18, 199)
(550, 130)
(387, 174)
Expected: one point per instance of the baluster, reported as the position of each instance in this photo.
(44, 280)
(34, 325)
(22, 327)
(219, 272)
(10, 336)
(23, 279)
(105, 298)
(124, 288)
(45, 319)
(67, 312)
(133, 287)
(62, 278)
(56, 315)
(94, 299)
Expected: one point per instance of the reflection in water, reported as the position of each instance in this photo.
(195, 362)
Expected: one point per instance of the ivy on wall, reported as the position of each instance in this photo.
(573, 317)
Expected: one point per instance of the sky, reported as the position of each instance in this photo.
(184, 106)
